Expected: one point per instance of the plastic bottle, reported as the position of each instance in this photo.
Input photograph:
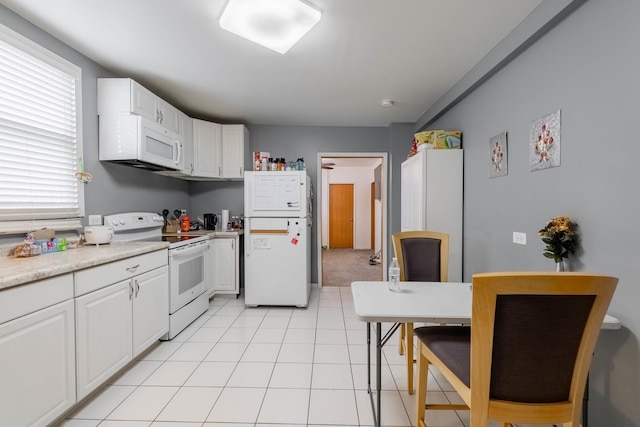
(185, 222)
(394, 276)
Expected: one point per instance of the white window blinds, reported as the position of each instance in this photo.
(40, 134)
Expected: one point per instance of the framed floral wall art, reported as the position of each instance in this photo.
(544, 142)
(498, 155)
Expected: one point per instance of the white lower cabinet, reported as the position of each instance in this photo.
(116, 322)
(103, 335)
(37, 359)
(150, 308)
(224, 265)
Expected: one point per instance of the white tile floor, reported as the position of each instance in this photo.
(262, 367)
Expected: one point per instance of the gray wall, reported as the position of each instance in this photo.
(588, 67)
(114, 188)
(292, 142)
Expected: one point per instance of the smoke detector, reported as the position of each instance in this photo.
(386, 103)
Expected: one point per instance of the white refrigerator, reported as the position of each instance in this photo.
(277, 232)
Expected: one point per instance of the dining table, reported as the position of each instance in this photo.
(417, 302)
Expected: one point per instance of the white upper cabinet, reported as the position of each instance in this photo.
(207, 148)
(123, 95)
(186, 134)
(235, 147)
(219, 151)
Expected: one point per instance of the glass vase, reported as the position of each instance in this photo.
(560, 266)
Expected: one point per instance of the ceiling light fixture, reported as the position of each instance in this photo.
(386, 103)
(275, 24)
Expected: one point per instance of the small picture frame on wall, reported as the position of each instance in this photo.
(498, 165)
(544, 142)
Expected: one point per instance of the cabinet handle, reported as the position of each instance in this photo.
(219, 171)
(232, 244)
(132, 269)
(240, 170)
(130, 290)
(137, 287)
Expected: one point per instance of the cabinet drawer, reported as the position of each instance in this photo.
(25, 299)
(98, 277)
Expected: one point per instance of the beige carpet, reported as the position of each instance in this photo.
(340, 267)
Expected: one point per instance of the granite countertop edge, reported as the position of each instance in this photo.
(19, 271)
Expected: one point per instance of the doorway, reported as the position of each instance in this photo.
(351, 212)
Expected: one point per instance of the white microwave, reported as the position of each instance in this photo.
(137, 141)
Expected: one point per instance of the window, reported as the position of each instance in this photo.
(40, 137)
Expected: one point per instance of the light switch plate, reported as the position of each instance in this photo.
(95, 219)
(519, 238)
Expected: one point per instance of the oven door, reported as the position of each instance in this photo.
(186, 274)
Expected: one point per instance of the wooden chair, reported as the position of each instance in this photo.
(525, 358)
(423, 256)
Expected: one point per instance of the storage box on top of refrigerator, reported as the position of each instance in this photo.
(277, 209)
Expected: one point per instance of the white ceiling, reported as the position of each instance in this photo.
(361, 52)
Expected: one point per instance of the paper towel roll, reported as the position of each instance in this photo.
(225, 219)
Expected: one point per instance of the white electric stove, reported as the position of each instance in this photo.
(187, 264)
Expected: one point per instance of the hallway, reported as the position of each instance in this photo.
(340, 267)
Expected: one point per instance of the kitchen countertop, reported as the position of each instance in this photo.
(18, 271)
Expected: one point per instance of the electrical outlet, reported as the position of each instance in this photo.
(519, 238)
(95, 219)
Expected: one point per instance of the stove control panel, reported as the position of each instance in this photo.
(134, 221)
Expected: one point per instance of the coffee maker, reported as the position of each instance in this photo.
(210, 221)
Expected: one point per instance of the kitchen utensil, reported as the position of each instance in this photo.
(98, 234)
(177, 213)
(165, 213)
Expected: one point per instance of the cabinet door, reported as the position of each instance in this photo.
(206, 148)
(169, 115)
(143, 102)
(210, 272)
(150, 308)
(186, 134)
(417, 188)
(225, 265)
(37, 355)
(103, 334)
(233, 150)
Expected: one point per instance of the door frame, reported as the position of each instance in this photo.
(383, 201)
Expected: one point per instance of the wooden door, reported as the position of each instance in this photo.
(341, 216)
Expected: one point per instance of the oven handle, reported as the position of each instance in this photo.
(189, 249)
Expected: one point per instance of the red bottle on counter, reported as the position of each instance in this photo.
(185, 222)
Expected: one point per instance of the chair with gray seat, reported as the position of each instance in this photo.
(526, 357)
(423, 256)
